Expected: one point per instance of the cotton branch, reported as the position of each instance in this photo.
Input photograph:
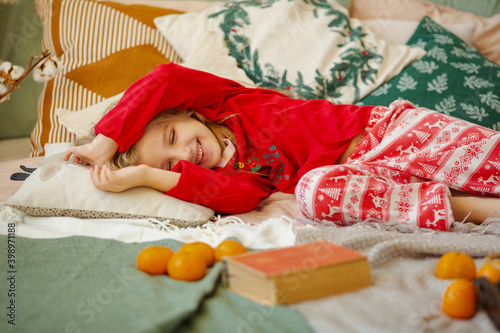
(14, 83)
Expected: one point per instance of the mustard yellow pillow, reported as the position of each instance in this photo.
(105, 46)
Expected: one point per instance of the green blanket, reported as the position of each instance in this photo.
(83, 284)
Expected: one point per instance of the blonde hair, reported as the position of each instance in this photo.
(130, 158)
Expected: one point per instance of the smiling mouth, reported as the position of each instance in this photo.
(200, 153)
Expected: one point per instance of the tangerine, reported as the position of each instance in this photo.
(453, 265)
(187, 266)
(154, 259)
(229, 247)
(490, 272)
(201, 248)
(460, 299)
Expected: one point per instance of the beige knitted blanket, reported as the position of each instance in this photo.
(406, 295)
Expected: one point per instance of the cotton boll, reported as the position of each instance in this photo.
(47, 70)
(3, 89)
(38, 76)
(16, 72)
(10, 73)
(5, 66)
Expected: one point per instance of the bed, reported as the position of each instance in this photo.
(69, 249)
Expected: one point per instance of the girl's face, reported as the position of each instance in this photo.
(184, 139)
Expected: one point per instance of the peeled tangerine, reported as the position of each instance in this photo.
(454, 265)
(460, 299)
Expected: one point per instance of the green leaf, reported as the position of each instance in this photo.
(439, 84)
(491, 100)
(425, 66)
(474, 112)
(447, 105)
(474, 82)
(406, 82)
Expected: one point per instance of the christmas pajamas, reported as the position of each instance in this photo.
(402, 169)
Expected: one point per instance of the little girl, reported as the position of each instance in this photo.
(211, 141)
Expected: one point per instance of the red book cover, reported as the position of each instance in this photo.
(295, 258)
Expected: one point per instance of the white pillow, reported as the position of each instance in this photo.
(82, 122)
(59, 188)
(398, 32)
(219, 62)
(311, 48)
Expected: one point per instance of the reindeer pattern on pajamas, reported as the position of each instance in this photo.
(402, 169)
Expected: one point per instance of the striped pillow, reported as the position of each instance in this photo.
(105, 46)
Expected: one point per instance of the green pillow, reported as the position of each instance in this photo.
(21, 32)
(485, 8)
(453, 78)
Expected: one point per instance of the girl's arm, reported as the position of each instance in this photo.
(120, 180)
(167, 86)
(226, 191)
(98, 152)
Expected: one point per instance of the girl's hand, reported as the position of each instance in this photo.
(120, 180)
(99, 152)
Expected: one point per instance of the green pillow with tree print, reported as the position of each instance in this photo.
(453, 78)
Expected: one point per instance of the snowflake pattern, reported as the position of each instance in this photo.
(394, 190)
(354, 199)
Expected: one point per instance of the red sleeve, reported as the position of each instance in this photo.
(167, 86)
(223, 190)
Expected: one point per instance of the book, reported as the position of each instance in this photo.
(296, 273)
